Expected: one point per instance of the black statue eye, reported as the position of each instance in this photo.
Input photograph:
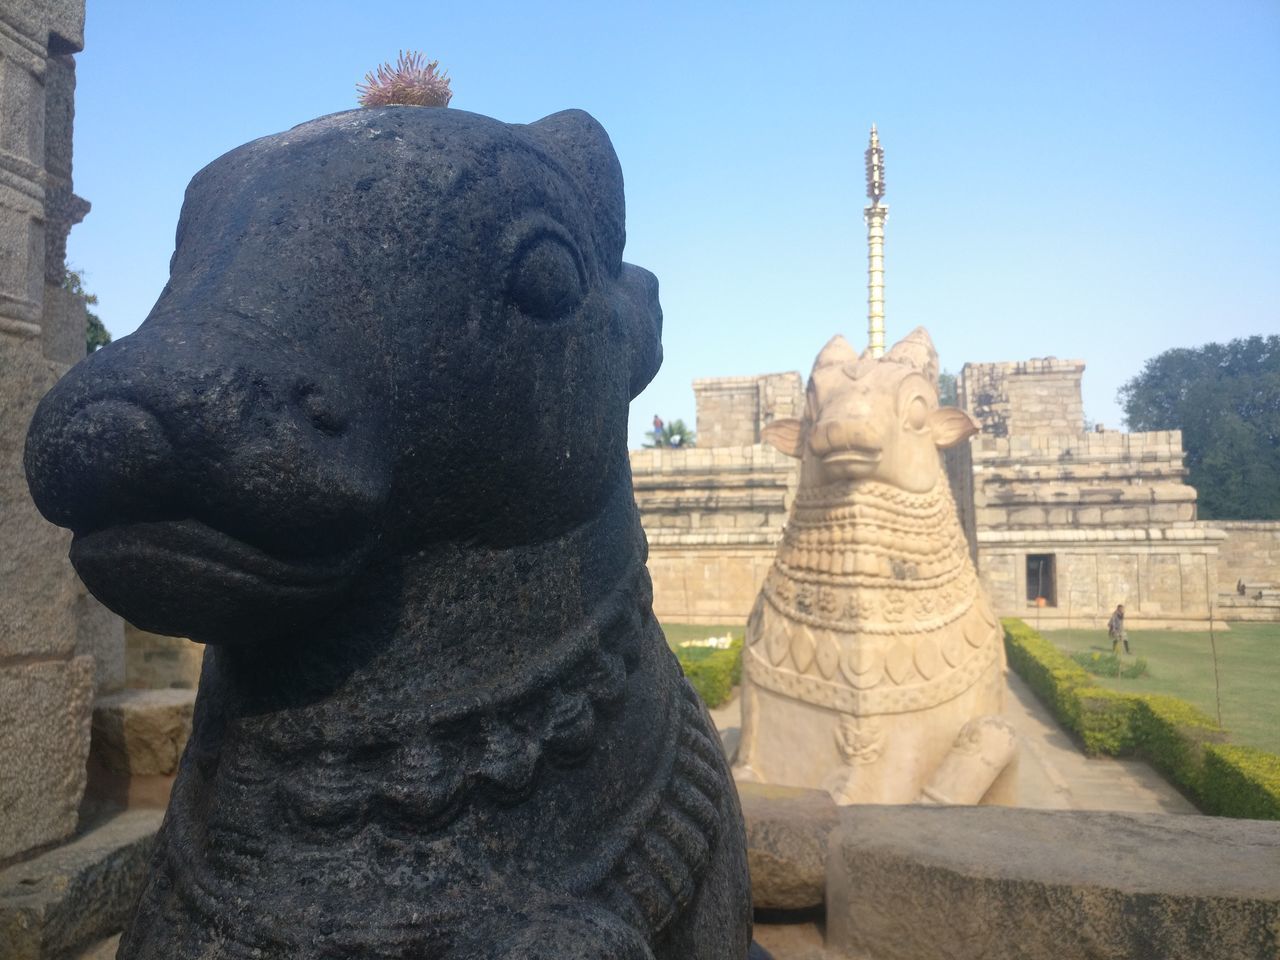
(546, 281)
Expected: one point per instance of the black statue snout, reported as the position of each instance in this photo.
(156, 456)
(106, 458)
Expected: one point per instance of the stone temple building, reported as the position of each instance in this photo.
(714, 513)
(1065, 522)
(1069, 523)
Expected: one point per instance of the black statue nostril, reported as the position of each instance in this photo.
(319, 411)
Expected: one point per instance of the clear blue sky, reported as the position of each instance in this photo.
(1093, 180)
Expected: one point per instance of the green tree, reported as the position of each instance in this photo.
(948, 395)
(1225, 398)
(95, 334)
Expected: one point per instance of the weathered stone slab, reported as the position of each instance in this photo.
(36, 617)
(142, 732)
(77, 894)
(44, 740)
(787, 830)
(905, 883)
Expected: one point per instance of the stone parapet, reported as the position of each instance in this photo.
(138, 739)
(908, 882)
(697, 490)
(911, 882)
(57, 25)
(1190, 533)
(710, 584)
(1080, 447)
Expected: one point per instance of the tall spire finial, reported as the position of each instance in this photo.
(875, 168)
(875, 215)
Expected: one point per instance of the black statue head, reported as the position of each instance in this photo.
(382, 329)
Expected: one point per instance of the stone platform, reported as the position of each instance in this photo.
(65, 900)
(1052, 772)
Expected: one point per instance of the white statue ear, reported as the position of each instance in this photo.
(787, 436)
(951, 425)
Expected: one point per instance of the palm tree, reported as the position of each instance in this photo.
(673, 434)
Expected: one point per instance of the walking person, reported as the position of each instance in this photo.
(1116, 631)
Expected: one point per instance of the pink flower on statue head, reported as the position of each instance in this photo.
(412, 81)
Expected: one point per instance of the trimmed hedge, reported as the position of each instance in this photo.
(1241, 782)
(1179, 739)
(713, 673)
(1055, 677)
(1172, 734)
(1106, 722)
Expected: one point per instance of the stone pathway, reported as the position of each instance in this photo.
(1053, 773)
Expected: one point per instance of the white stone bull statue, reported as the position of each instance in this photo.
(874, 665)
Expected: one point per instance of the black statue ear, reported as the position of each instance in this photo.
(578, 141)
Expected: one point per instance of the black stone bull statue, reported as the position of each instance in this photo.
(369, 445)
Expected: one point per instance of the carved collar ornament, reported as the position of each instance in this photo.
(872, 605)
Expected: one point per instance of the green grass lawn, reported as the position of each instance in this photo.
(712, 671)
(1181, 664)
(678, 633)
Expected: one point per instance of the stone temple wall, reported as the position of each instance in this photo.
(714, 513)
(1070, 524)
(1024, 398)
(1250, 553)
(58, 647)
(713, 517)
(1088, 521)
(733, 410)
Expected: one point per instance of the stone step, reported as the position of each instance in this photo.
(138, 738)
(69, 899)
(1269, 598)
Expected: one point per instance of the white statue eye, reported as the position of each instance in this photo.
(546, 281)
(917, 413)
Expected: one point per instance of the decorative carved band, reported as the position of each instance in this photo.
(840, 696)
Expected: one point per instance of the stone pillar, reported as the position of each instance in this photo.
(51, 632)
(875, 215)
